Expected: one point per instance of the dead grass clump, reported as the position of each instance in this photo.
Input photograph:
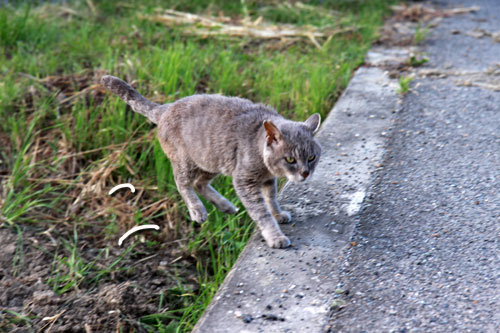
(77, 85)
(85, 181)
(90, 200)
(67, 89)
(408, 21)
(423, 13)
(208, 26)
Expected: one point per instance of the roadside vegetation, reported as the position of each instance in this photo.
(404, 84)
(64, 142)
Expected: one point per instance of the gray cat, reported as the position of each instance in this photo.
(204, 135)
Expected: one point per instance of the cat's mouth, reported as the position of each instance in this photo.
(296, 178)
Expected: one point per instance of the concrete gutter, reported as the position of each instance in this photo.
(291, 290)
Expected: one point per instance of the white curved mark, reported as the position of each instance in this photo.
(117, 187)
(137, 228)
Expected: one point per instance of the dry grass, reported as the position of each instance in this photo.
(207, 26)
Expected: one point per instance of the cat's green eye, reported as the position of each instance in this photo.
(290, 160)
(311, 158)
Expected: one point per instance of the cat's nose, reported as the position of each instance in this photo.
(304, 174)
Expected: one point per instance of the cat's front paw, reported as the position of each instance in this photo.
(283, 217)
(278, 242)
(276, 239)
(198, 215)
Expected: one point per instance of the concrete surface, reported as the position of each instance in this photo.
(290, 290)
(399, 229)
(427, 257)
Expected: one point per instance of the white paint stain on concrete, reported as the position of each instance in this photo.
(316, 309)
(356, 199)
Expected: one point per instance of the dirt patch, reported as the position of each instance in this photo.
(61, 269)
(141, 284)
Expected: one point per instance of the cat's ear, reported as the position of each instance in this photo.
(273, 134)
(313, 122)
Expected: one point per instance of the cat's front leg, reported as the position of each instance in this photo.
(269, 189)
(252, 197)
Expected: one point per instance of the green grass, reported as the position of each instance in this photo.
(74, 267)
(420, 34)
(417, 60)
(60, 153)
(404, 84)
(17, 318)
(70, 268)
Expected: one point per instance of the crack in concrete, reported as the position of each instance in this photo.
(488, 79)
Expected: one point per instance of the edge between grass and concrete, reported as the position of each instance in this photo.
(82, 136)
(295, 289)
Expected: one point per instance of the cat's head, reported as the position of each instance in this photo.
(291, 150)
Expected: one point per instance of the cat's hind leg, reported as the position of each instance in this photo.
(184, 174)
(203, 187)
(269, 189)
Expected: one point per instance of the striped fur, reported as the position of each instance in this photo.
(206, 135)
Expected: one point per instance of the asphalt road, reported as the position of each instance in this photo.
(427, 245)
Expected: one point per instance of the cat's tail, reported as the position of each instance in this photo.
(138, 102)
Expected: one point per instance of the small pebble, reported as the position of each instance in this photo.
(247, 319)
(271, 317)
(337, 304)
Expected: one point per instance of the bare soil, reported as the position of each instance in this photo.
(115, 303)
(107, 290)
